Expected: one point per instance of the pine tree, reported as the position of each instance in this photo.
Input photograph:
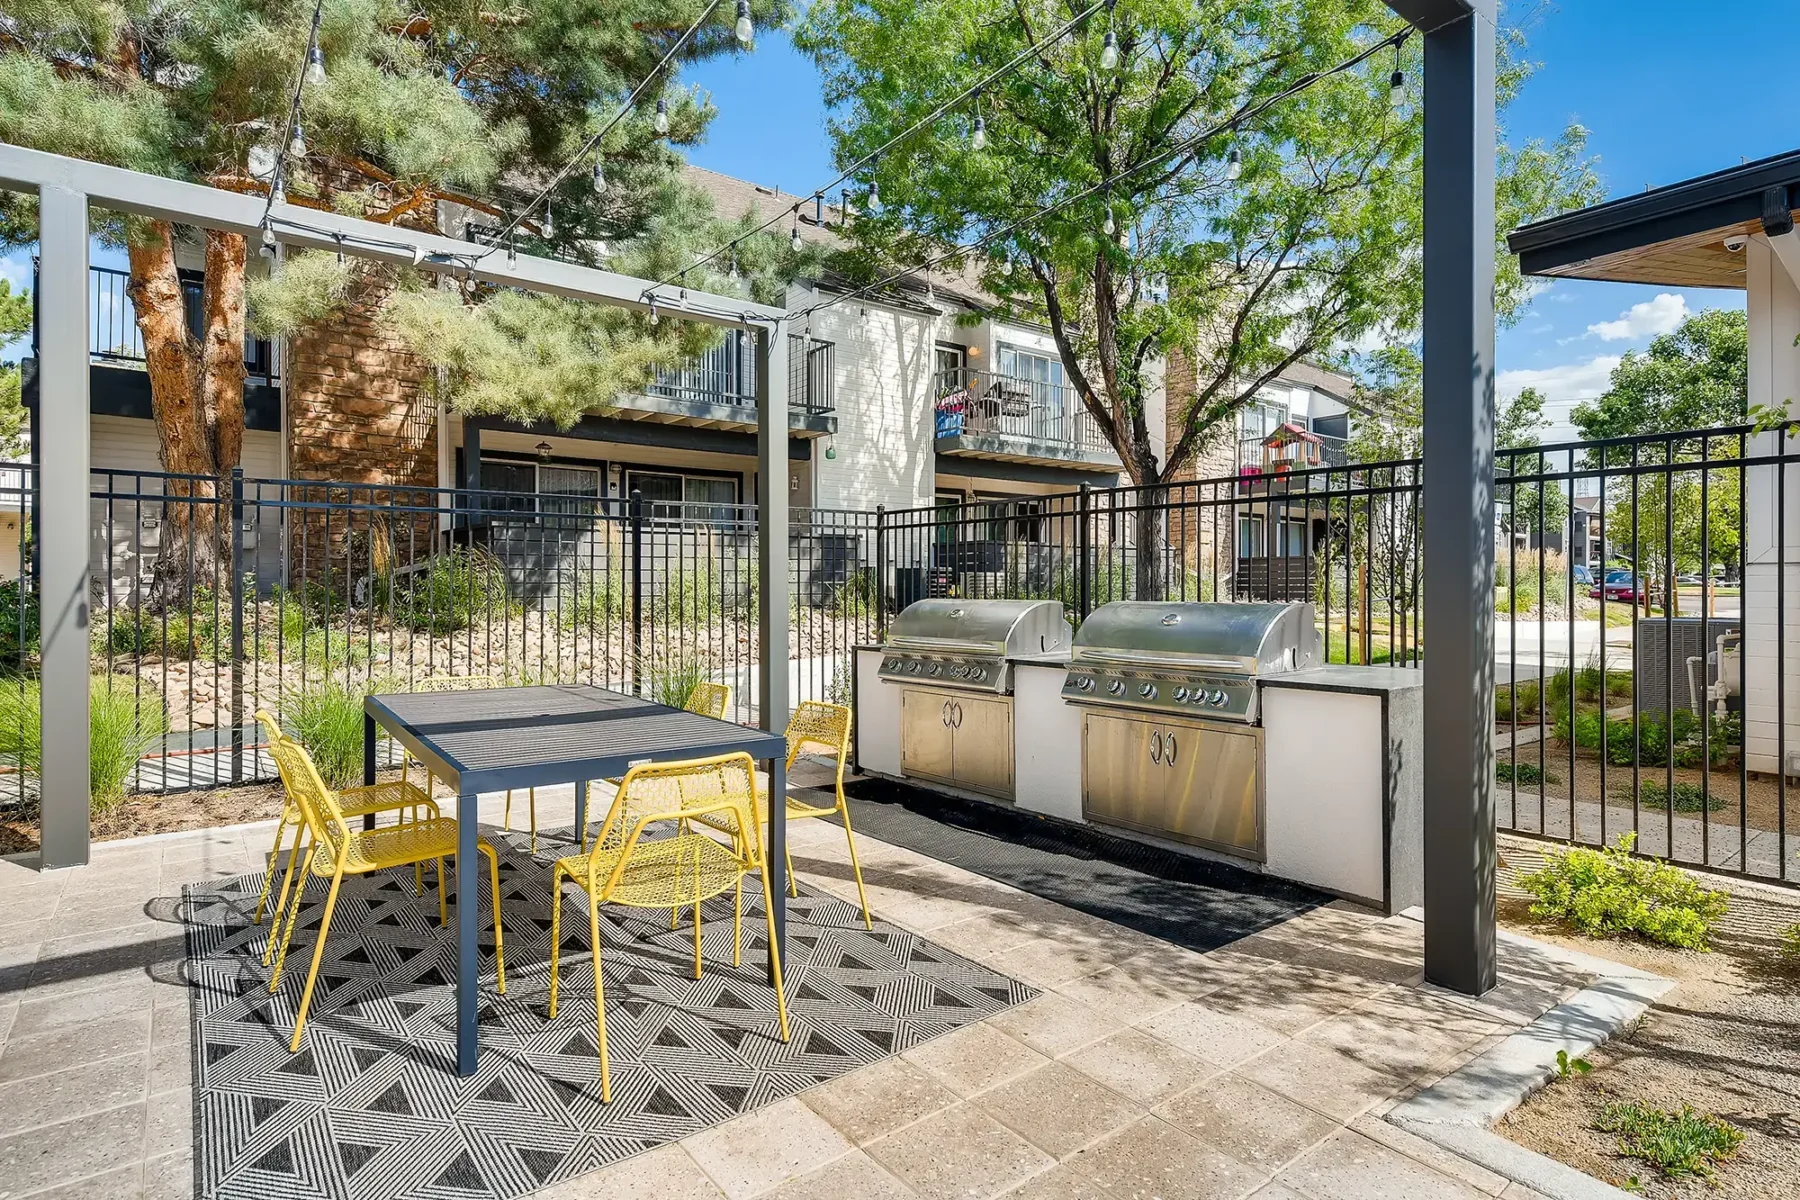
(420, 103)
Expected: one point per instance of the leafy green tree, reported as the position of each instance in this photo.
(1531, 507)
(422, 103)
(1313, 247)
(1694, 378)
(15, 321)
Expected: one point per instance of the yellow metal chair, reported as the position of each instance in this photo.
(400, 797)
(706, 700)
(709, 700)
(684, 868)
(337, 850)
(821, 727)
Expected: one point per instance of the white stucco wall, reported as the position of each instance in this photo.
(1774, 378)
(882, 373)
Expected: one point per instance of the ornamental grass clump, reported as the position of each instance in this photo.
(326, 716)
(1608, 893)
(124, 725)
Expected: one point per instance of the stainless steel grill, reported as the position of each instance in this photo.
(965, 644)
(1199, 660)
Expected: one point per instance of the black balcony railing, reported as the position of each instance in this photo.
(1029, 410)
(726, 374)
(113, 335)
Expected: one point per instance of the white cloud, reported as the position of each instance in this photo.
(1569, 382)
(1656, 316)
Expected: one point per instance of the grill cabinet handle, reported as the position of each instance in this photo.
(958, 724)
(1169, 752)
(1156, 747)
(946, 717)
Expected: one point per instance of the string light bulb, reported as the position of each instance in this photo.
(1234, 164)
(278, 194)
(794, 238)
(978, 139)
(268, 242)
(662, 117)
(732, 274)
(1109, 225)
(1397, 87)
(315, 66)
(599, 178)
(1109, 52)
(549, 224)
(744, 29)
(297, 143)
(655, 319)
(874, 195)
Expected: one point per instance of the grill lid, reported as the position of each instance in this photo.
(994, 627)
(1250, 639)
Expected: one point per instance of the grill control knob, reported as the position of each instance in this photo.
(1219, 699)
(1148, 691)
(936, 668)
(1116, 687)
(978, 673)
(1180, 694)
(913, 667)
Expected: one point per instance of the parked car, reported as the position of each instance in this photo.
(1688, 580)
(1584, 576)
(1621, 585)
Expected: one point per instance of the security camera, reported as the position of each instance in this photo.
(1735, 242)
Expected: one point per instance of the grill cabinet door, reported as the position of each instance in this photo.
(1120, 784)
(983, 744)
(1211, 787)
(926, 739)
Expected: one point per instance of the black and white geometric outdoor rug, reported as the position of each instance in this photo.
(372, 1105)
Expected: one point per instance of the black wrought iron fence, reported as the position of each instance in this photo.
(215, 599)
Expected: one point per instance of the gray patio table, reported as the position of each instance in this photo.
(492, 739)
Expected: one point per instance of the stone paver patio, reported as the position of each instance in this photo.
(1145, 1070)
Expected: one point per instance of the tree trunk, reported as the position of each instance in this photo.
(197, 400)
(1149, 533)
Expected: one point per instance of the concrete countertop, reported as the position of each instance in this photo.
(1367, 681)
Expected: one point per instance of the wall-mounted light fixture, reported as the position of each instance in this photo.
(543, 451)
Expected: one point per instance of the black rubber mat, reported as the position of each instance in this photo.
(1191, 901)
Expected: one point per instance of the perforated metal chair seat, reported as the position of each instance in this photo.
(394, 846)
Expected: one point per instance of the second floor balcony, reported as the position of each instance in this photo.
(719, 387)
(980, 414)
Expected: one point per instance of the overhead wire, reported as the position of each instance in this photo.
(587, 148)
(277, 172)
(818, 194)
(1188, 144)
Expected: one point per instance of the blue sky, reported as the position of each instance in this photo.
(1666, 89)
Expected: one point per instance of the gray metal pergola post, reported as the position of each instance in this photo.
(60, 519)
(1459, 490)
(772, 591)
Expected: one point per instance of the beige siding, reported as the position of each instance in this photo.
(126, 532)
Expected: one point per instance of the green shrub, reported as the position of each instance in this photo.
(1608, 893)
(1587, 685)
(327, 718)
(1790, 942)
(690, 596)
(1678, 1144)
(451, 593)
(1653, 737)
(19, 624)
(123, 726)
(1689, 797)
(1522, 772)
(854, 599)
(1520, 699)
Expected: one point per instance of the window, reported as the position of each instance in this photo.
(1261, 418)
(676, 496)
(949, 361)
(1012, 520)
(1017, 363)
(1290, 542)
(523, 487)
